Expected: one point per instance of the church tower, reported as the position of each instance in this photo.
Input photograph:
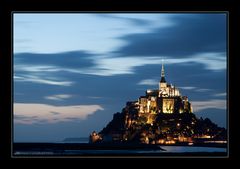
(162, 83)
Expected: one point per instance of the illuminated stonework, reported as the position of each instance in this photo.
(168, 105)
(166, 99)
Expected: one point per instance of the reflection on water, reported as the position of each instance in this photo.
(178, 149)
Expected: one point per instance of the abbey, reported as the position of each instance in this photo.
(162, 116)
(167, 99)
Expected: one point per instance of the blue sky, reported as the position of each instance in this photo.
(72, 71)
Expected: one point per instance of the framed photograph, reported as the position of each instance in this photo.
(78, 78)
(133, 82)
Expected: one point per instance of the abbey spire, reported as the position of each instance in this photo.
(162, 74)
(162, 82)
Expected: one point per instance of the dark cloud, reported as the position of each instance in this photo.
(73, 59)
(191, 34)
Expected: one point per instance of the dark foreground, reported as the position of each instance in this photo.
(109, 149)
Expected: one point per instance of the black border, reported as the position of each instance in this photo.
(8, 6)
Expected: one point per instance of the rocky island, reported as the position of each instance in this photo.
(163, 117)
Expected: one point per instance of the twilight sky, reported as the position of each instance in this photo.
(73, 71)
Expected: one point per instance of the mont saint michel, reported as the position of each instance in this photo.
(161, 116)
(95, 84)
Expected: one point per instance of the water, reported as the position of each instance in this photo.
(75, 140)
(168, 149)
(180, 149)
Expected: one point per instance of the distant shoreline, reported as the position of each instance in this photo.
(82, 146)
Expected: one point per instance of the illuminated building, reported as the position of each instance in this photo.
(166, 99)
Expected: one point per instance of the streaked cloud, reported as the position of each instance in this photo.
(94, 97)
(203, 90)
(208, 104)
(36, 68)
(109, 66)
(41, 80)
(106, 65)
(212, 60)
(220, 94)
(187, 87)
(58, 97)
(195, 89)
(150, 82)
(30, 113)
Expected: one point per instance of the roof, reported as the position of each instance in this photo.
(163, 79)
